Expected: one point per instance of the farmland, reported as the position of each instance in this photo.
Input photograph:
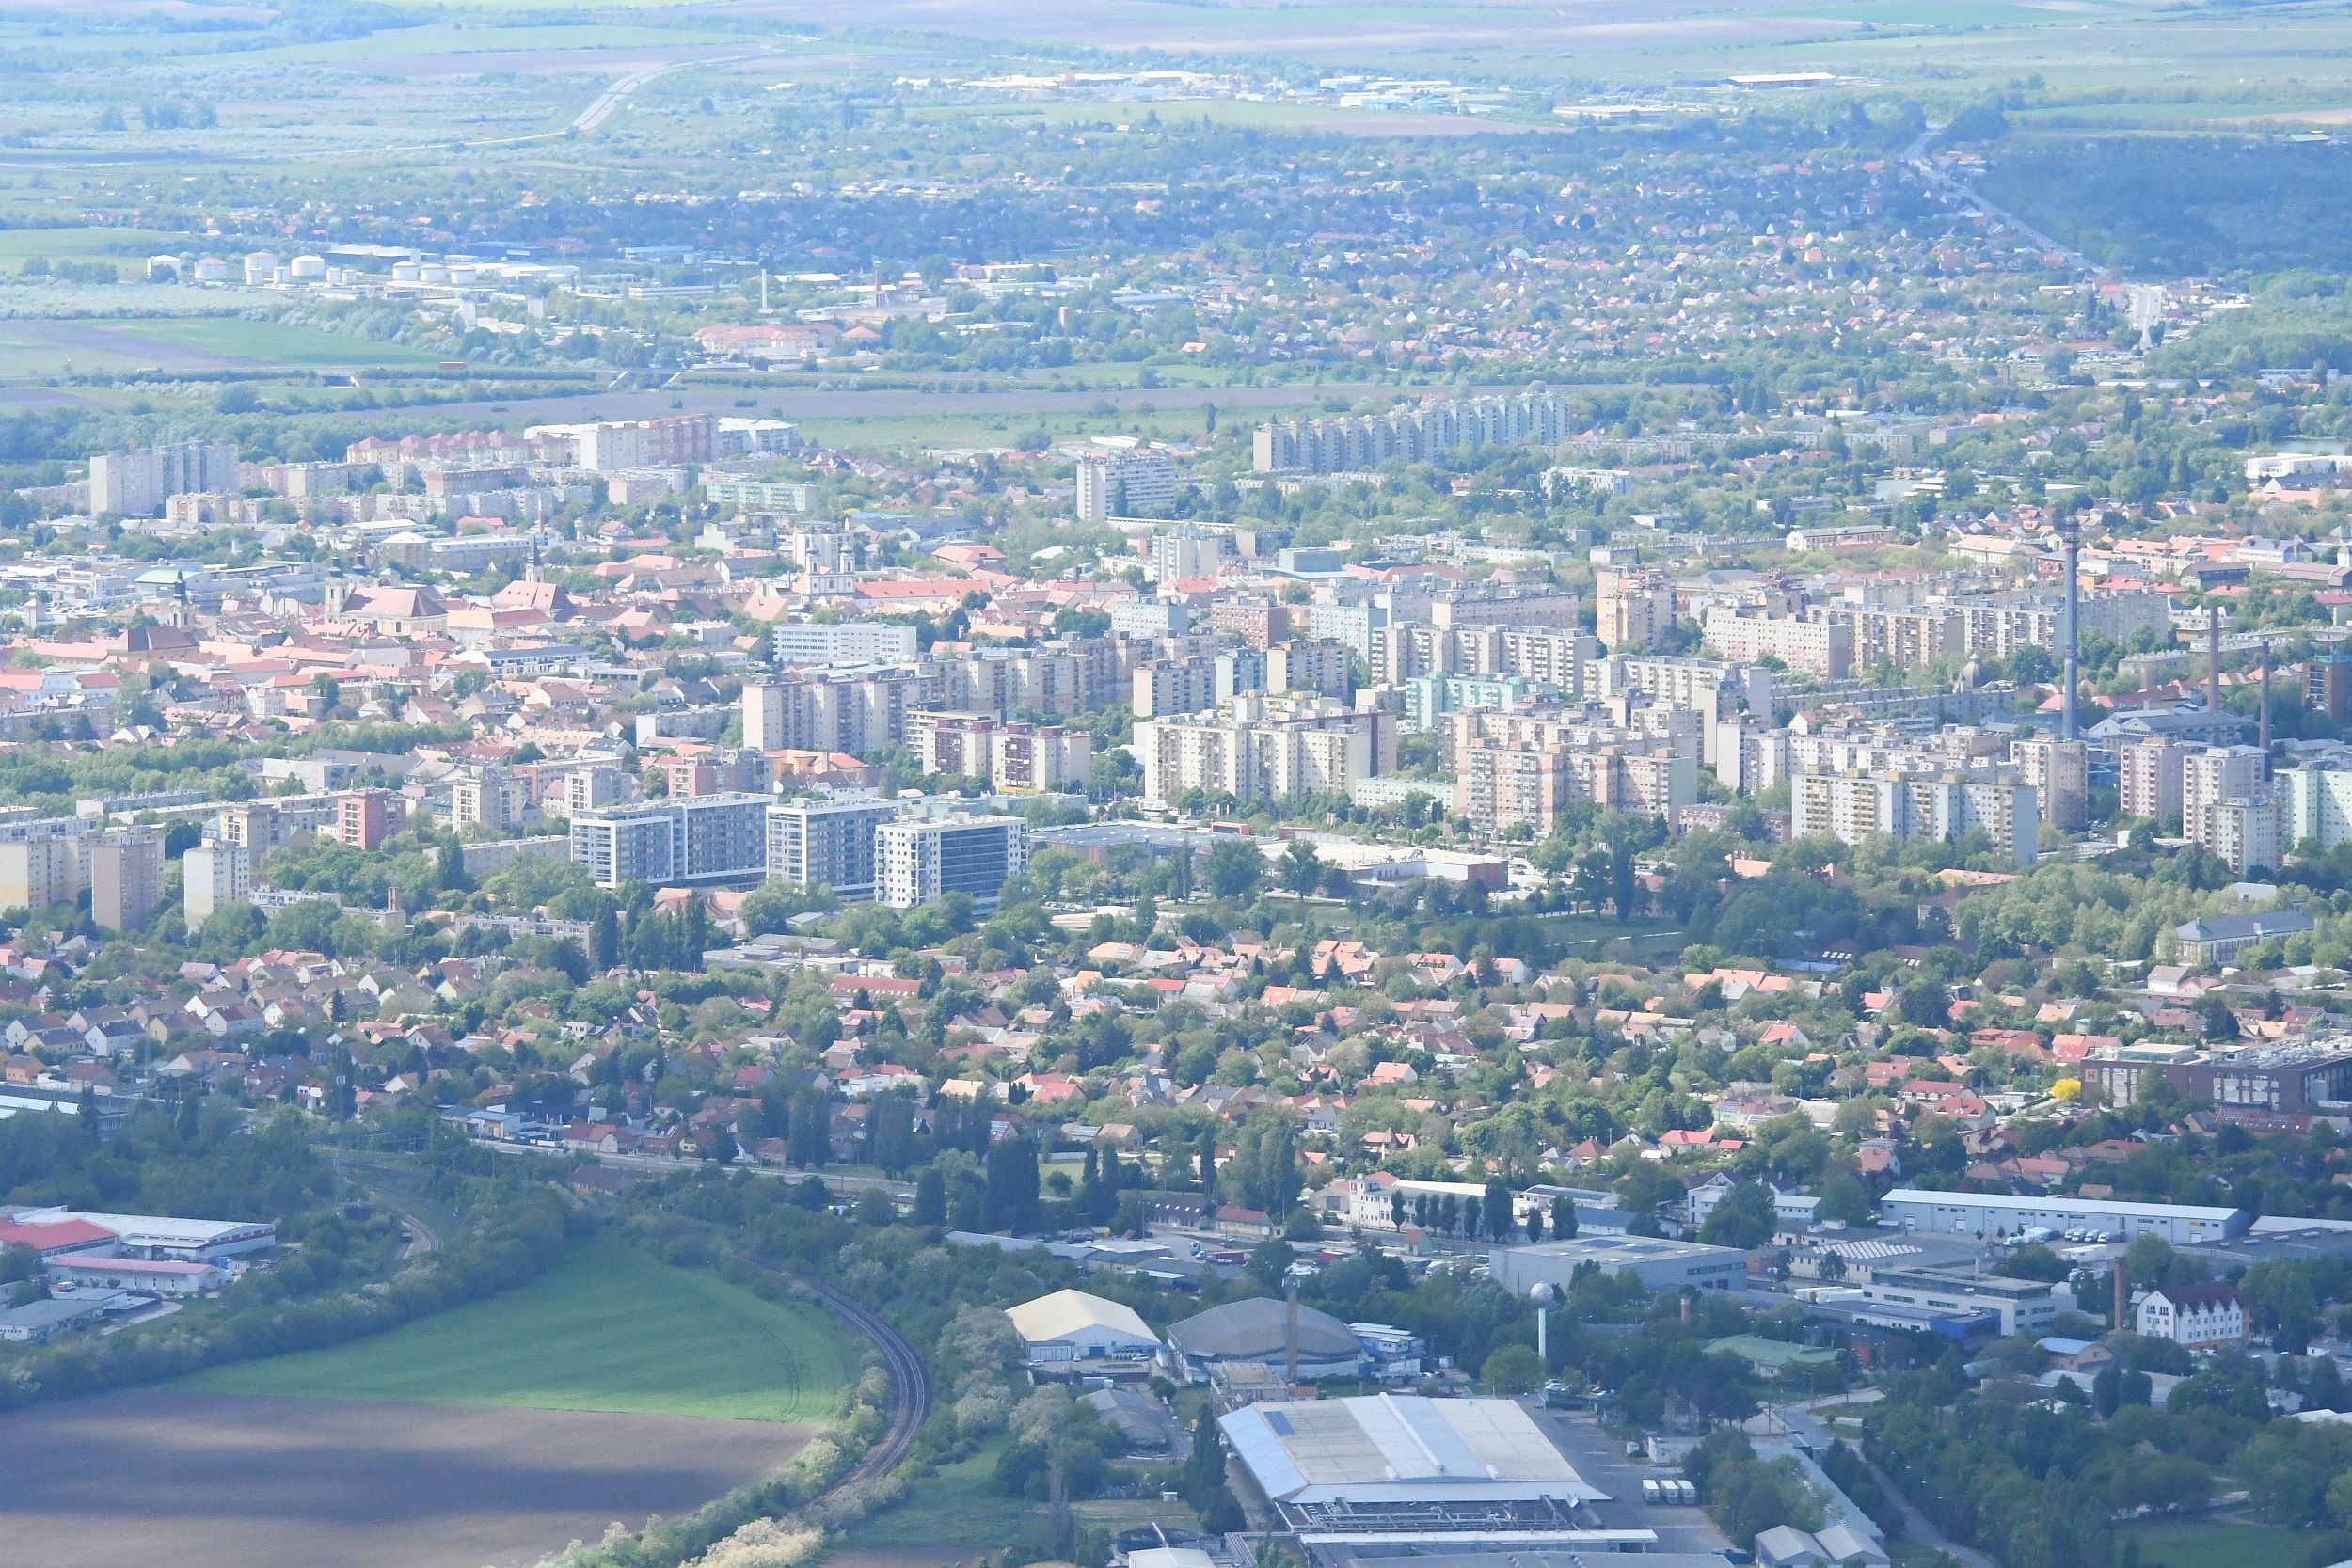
(610, 1329)
(244, 1481)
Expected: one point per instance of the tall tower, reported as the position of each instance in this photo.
(2071, 535)
(2213, 658)
(2265, 707)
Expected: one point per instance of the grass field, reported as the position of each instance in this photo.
(607, 1329)
(2207, 1543)
(103, 344)
(956, 1507)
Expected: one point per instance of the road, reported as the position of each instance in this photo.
(1601, 1461)
(1917, 1527)
(1915, 155)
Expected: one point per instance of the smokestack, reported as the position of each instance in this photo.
(2213, 658)
(2071, 534)
(2265, 713)
(2122, 1295)
(1290, 1332)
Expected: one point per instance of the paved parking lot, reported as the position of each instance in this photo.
(1602, 1461)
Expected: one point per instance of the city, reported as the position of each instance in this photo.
(1185, 790)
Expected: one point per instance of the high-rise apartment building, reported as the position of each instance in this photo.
(364, 818)
(1633, 609)
(2148, 777)
(213, 874)
(136, 484)
(716, 838)
(1139, 482)
(922, 861)
(1265, 749)
(2059, 771)
(126, 878)
(829, 844)
(43, 863)
(842, 643)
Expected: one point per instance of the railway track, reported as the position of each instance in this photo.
(910, 1391)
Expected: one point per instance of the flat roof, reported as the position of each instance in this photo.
(1624, 1250)
(2081, 1205)
(1400, 1447)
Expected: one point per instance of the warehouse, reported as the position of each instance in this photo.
(1386, 1464)
(1983, 1215)
(1659, 1264)
(1073, 1326)
(1250, 1340)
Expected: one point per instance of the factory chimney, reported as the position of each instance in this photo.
(2265, 713)
(2213, 658)
(2071, 534)
(2122, 1295)
(1290, 1331)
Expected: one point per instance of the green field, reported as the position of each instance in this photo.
(2208, 1544)
(110, 344)
(607, 1329)
(957, 1507)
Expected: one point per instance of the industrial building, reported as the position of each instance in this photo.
(1256, 1341)
(1071, 1327)
(1658, 1263)
(1983, 1215)
(1385, 1464)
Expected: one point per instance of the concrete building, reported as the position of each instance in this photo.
(126, 878)
(841, 642)
(364, 818)
(2328, 684)
(2202, 1316)
(2220, 939)
(43, 863)
(1009, 754)
(920, 863)
(1382, 1465)
(1189, 555)
(136, 484)
(716, 838)
(1822, 649)
(1851, 807)
(1415, 433)
(2318, 802)
(492, 798)
(1251, 1340)
(1633, 609)
(2016, 1305)
(1265, 749)
(2148, 774)
(1139, 482)
(1989, 1214)
(1175, 685)
(1658, 1263)
(2059, 771)
(1302, 668)
(626, 446)
(828, 844)
(1071, 1326)
(2303, 1078)
(213, 874)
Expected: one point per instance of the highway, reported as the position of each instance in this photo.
(1915, 156)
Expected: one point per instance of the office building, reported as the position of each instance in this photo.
(136, 484)
(1659, 1264)
(717, 838)
(829, 844)
(1139, 482)
(920, 863)
(842, 643)
(126, 878)
(213, 874)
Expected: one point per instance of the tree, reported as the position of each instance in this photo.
(1301, 868)
(1844, 1197)
(1741, 1218)
(1269, 1261)
(1498, 1209)
(1563, 1218)
(451, 873)
(1012, 1186)
(1235, 869)
(1534, 1226)
(604, 940)
(1512, 1370)
(1624, 888)
(931, 1196)
(809, 1136)
(1264, 1172)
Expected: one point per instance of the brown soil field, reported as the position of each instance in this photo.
(219, 1480)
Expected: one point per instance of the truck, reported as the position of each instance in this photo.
(1686, 1493)
(1653, 1491)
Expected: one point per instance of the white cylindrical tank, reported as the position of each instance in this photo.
(260, 267)
(309, 269)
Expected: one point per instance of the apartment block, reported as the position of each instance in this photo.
(213, 874)
(2318, 804)
(718, 838)
(1010, 754)
(2059, 771)
(828, 843)
(617, 448)
(364, 818)
(1851, 807)
(43, 863)
(493, 798)
(842, 643)
(1501, 786)
(126, 878)
(136, 484)
(2247, 833)
(922, 861)
(2230, 776)
(1189, 555)
(1265, 749)
(1316, 669)
(1136, 483)
(2328, 684)
(1822, 649)
(1633, 609)
(2149, 777)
